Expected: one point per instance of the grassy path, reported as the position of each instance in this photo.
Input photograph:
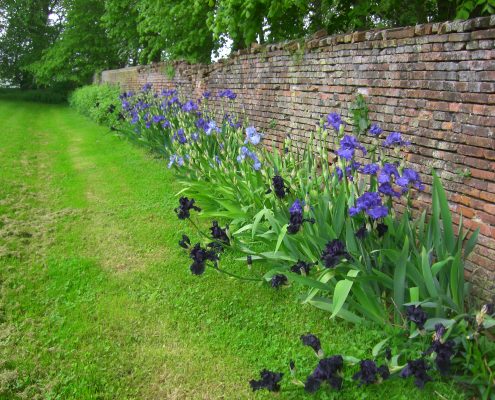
(96, 300)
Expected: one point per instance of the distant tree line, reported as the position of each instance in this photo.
(61, 43)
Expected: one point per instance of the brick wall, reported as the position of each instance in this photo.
(433, 82)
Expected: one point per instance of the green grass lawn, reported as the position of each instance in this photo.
(96, 298)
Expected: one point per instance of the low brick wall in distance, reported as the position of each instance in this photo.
(433, 82)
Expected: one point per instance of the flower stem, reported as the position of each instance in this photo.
(242, 278)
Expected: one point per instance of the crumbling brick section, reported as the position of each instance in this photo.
(433, 82)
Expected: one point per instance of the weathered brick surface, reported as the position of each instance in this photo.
(433, 82)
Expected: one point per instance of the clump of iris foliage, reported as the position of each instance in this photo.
(325, 214)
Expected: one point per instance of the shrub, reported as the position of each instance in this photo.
(98, 102)
(35, 95)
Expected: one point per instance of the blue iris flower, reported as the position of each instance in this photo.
(334, 120)
(371, 204)
(375, 130)
(395, 140)
(252, 136)
(348, 146)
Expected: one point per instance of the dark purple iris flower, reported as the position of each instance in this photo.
(279, 186)
(296, 218)
(419, 369)
(185, 207)
(200, 256)
(370, 373)
(269, 381)
(312, 341)
(327, 370)
(218, 233)
(301, 267)
(278, 280)
(417, 315)
(185, 242)
(333, 253)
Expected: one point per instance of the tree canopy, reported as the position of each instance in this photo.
(63, 42)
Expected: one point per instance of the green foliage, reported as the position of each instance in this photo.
(249, 21)
(169, 70)
(27, 28)
(82, 48)
(471, 8)
(176, 31)
(96, 101)
(359, 111)
(35, 95)
(120, 20)
(61, 43)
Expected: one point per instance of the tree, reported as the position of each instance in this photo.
(175, 29)
(123, 31)
(82, 48)
(27, 27)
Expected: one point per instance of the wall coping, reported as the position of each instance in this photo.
(322, 39)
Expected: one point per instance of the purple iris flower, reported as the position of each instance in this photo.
(174, 100)
(388, 171)
(348, 146)
(190, 106)
(227, 93)
(371, 203)
(334, 120)
(410, 178)
(201, 124)
(169, 92)
(175, 159)
(387, 189)
(207, 95)
(147, 87)
(212, 127)
(158, 118)
(181, 136)
(370, 169)
(245, 152)
(395, 140)
(166, 124)
(375, 130)
(296, 207)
